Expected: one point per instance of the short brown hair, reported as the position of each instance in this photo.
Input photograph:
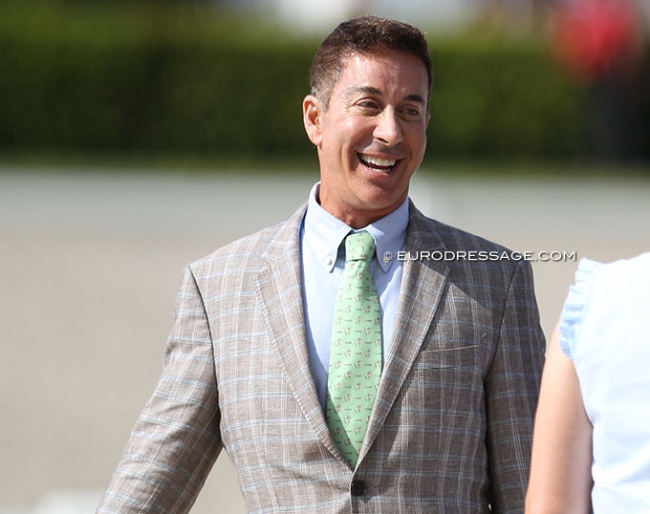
(363, 35)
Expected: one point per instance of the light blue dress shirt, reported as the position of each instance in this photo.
(323, 260)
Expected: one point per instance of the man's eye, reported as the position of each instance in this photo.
(368, 104)
(411, 112)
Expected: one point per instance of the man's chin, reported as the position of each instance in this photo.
(379, 205)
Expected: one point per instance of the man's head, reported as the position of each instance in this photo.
(364, 36)
(367, 116)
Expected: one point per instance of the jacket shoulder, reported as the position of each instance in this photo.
(251, 251)
(463, 253)
(451, 238)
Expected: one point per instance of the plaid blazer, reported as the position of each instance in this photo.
(452, 424)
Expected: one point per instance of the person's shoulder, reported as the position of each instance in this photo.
(465, 255)
(623, 277)
(639, 265)
(453, 238)
(617, 274)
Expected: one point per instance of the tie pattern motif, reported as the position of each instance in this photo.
(356, 349)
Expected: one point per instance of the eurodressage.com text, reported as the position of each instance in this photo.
(484, 256)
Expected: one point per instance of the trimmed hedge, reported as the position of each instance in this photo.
(156, 79)
(497, 100)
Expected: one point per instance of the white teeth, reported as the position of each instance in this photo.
(375, 161)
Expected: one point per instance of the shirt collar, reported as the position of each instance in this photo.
(325, 233)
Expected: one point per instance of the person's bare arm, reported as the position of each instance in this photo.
(560, 477)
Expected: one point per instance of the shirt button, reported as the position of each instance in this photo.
(328, 261)
(358, 488)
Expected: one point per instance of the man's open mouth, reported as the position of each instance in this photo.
(376, 163)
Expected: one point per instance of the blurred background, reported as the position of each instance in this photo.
(136, 137)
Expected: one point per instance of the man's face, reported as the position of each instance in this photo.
(372, 136)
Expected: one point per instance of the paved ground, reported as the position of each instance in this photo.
(90, 263)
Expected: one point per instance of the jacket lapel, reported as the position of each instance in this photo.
(280, 294)
(423, 283)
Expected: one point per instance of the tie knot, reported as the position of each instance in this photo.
(359, 246)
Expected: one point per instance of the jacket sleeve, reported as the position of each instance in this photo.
(176, 439)
(512, 388)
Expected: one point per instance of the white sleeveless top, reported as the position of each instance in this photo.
(605, 331)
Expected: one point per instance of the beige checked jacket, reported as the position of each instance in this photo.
(452, 425)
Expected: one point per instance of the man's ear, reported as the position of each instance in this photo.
(312, 112)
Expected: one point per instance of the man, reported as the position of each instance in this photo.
(426, 408)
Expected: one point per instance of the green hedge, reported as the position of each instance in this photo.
(150, 79)
(496, 100)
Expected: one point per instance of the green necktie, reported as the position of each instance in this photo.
(355, 352)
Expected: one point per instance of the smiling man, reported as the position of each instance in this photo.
(370, 133)
(338, 378)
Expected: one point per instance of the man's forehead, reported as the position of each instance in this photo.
(378, 54)
(356, 90)
(362, 61)
(388, 57)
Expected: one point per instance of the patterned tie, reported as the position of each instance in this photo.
(355, 353)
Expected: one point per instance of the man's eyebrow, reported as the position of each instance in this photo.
(415, 98)
(369, 90)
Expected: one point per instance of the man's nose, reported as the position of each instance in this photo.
(388, 129)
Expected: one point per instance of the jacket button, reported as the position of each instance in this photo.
(358, 488)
